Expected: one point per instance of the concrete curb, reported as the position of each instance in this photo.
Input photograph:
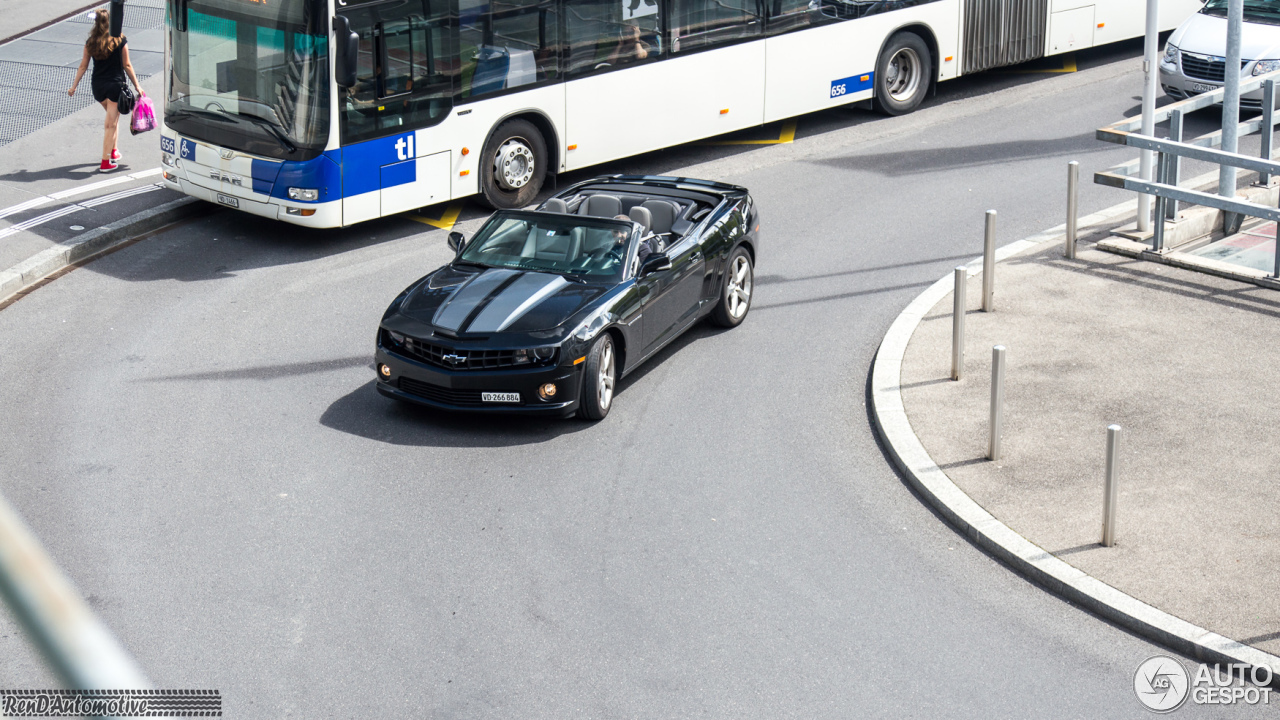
(27, 273)
(981, 527)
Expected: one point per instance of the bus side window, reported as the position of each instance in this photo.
(788, 15)
(507, 44)
(611, 33)
(700, 23)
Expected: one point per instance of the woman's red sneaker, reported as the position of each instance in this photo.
(115, 154)
(107, 166)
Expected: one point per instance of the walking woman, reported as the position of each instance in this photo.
(110, 64)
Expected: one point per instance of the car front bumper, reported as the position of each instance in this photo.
(460, 390)
(1178, 85)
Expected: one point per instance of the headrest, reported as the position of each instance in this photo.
(642, 216)
(600, 206)
(664, 215)
(555, 205)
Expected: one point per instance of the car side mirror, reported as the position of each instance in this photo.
(348, 49)
(457, 241)
(655, 262)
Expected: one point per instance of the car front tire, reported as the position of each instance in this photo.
(735, 291)
(600, 375)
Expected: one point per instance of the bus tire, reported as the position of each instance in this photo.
(902, 74)
(513, 164)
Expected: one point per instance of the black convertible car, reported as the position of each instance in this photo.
(543, 311)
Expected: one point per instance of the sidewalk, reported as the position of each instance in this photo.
(1183, 362)
(50, 188)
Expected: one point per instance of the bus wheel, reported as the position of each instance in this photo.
(513, 165)
(902, 74)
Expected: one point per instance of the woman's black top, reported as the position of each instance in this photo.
(108, 74)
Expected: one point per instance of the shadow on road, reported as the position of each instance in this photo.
(77, 171)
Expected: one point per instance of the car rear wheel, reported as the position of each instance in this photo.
(599, 376)
(513, 165)
(735, 293)
(902, 74)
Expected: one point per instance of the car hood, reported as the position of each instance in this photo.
(490, 300)
(1207, 35)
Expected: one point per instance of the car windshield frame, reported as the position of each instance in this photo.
(506, 228)
(1259, 11)
(216, 47)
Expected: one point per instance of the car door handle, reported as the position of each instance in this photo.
(696, 256)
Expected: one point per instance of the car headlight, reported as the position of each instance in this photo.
(395, 337)
(304, 194)
(1262, 67)
(1170, 54)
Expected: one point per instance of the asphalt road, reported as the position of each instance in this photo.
(190, 425)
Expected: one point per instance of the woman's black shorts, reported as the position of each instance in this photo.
(109, 90)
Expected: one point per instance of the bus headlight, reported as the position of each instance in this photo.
(1262, 67)
(167, 159)
(304, 194)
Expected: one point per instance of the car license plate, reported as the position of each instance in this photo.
(1202, 88)
(228, 200)
(500, 397)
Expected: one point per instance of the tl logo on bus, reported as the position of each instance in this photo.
(404, 148)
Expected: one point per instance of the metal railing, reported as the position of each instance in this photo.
(1170, 153)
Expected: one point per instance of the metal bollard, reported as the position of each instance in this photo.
(957, 325)
(1110, 489)
(997, 402)
(1073, 197)
(989, 264)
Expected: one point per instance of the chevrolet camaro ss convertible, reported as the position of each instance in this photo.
(543, 311)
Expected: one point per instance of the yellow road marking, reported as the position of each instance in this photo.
(787, 135)
(446, 220)
(1068, 66)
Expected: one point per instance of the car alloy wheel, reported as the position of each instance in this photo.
(513, 164)
(738, 292)
(604, 384)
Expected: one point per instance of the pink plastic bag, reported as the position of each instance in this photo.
(144, 116)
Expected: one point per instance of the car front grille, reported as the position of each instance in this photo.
(1202, 68)
(447, 396)
(443, 356)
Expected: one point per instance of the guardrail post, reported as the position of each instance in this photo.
(1275, 270)
(989, 264)
(1175, 163)
(1073, 206)
(1268, 125)
(957, 325)
(997, 402)
(1157, 230)
(1110, 489)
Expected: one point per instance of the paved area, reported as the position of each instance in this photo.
(1183, 362)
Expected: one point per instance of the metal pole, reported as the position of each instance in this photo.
(1157, 232)
(1175, 163)
(997, 402)
(1268, 125)
(1110, 490)
(1073, 199)
(1149, 89)
(1231, 109)
(957, 325)
(989, 264)
(55, 615)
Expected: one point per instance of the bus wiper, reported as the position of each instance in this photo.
(195, 112)
(272, 128)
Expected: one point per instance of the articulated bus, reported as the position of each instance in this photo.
(325, 113)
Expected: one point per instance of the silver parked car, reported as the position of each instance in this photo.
(1194, 58)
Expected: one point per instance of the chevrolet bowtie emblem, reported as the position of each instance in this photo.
(455, 359)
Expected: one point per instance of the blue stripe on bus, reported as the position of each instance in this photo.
(851, 85)
(362, 164)
(322, 173)
(264, 174)
(400, 173)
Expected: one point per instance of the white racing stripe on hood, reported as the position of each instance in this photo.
(454, 311)
(515, 300)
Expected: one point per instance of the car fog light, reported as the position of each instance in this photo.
(547, 391)
(384, 371)
(304, 194)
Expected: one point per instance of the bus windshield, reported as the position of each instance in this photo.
(547, 242)
(250, 76)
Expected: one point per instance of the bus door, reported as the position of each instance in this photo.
(633, 87)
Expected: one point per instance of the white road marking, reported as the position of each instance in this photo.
(76, 207)
(78, 190)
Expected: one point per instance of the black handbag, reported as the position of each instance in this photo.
(126, 101)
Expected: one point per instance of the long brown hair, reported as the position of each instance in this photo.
(100, 42)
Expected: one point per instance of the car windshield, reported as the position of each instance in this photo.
(571, 245)
(250, 76)
(1263, 11)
